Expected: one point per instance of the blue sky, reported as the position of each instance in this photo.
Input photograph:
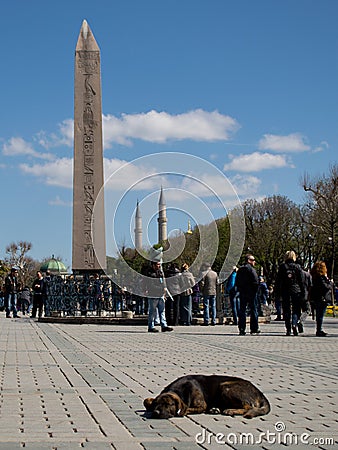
(248, 86)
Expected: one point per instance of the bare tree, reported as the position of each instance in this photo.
(17, 256)
(273, 226)
(322, 203)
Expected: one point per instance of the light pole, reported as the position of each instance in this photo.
(331, 241)
(310, 240)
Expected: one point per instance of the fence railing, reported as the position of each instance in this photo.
(85, 296)
(88, 296)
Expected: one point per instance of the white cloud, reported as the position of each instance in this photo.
(55, 173)
(65, 136)
(59, 202)
(60, 173)
(120, 180)
(246, 186)
(17, 146)
(321, 147)
(294, 142)
(255, 162)
(160, 127)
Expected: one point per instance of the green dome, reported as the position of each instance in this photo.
(54, 266)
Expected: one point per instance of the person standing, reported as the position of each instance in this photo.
(290, 287)
(156, 290)
(320, 294)
(208, 285)
(187, 283)
(25, 299)
(247, 285)
(39, 291)
(11, 292)
(262, 295)
(172, 304)
(231, 290)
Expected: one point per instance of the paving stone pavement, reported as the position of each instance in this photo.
(68, 386)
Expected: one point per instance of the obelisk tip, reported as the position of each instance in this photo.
(86, 40)
(84, 29)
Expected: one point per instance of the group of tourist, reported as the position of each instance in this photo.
(300, 290)
(30, 300)
(170, 295)
(297, 291)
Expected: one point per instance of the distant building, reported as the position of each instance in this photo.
(54, 266)
(162, 223)
(162, 218)
(138, 228)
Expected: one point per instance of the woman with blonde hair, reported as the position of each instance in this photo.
(320, 294)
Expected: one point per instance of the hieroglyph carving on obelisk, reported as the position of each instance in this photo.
(89, 244)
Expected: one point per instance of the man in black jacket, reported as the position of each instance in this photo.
(11, 292)
(247, 286)
(39, 292)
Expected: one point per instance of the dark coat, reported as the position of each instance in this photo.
(321, 290)
(11, 284)
(39, 287)
(155, 283)
(289, 279)
(247, 280)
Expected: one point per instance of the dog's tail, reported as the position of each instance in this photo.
(258, 410)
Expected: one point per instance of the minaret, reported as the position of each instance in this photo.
(138, 228)
(162, 219)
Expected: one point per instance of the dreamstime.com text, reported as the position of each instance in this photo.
(279, 437)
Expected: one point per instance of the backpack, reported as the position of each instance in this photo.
(290, 274)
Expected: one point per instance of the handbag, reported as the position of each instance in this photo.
(327, 298)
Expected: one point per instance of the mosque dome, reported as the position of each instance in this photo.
(55, 267)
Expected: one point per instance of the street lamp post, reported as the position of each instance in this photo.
(310, 240)
(331, 240)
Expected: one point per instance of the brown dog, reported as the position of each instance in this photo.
(213, 394)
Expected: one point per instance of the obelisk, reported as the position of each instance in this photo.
(89, 242)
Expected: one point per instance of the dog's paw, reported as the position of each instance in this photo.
(228, 412)
(214, 411)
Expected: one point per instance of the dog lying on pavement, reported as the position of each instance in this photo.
(213, 394)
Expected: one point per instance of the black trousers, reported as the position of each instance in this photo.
(37, 305)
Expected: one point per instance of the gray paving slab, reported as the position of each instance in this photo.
(65, 386)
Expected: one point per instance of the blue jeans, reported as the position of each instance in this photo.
(291, 309)
(251, 301)
(10, 304)
(209, 301)
(320, 312)
(234, 300)
(185, 309)
(154, 305)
